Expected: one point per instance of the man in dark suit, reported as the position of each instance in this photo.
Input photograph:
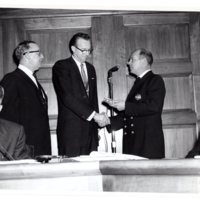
(12, 138)
(75, 84)
(140, 113)
(25, 101)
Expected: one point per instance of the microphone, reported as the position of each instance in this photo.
(113, 69)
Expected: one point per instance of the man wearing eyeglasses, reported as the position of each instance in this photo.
(25, 101)
(75, 84)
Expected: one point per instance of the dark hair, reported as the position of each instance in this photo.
(21, 48)
(147, 54)
(75, 37)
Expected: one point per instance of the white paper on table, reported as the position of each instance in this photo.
(97, 156)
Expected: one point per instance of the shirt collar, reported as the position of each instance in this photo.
(25, 70)
(77, 62)
(145, 72)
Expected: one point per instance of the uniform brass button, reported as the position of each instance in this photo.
(131, 117)
(125, 133)
(125, 126)
(132, 125)
(124, 119)
(132, 132)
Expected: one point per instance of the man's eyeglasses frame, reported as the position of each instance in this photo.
(37, 51)
(89, 51)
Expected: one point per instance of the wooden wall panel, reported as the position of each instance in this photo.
(173, 67)
(178, 93)
(109, 51)
(52, 100)
(179, 141)
(196, 80)
(9, 31)
(1, 51)
(54, 44)
(12, 33)
(195, 57)
(156, 18)
(59, 23)
(164, 41)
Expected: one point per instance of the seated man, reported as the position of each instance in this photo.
(12, 138)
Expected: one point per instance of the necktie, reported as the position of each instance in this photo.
(84, 78)
(41, 91)
(137, 80)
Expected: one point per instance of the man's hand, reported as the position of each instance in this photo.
(118, 104)
(101, 119)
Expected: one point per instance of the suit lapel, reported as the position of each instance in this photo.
(43, 100)
(26, 78)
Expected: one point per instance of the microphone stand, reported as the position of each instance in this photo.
(110, 94)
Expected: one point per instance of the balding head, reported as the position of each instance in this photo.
(140, 61)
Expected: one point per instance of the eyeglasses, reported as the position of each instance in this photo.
(89, 51)
(37, 51)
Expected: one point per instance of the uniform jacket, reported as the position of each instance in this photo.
(12, 141)
(141, 121)
(24, 104)
(74, 107)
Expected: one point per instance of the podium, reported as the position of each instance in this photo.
(155, 176)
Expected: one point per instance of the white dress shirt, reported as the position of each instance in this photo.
(28, 72)
(141, 75)
(79, 67)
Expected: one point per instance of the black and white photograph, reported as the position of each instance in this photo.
(100, 100)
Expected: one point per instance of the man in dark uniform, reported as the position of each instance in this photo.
(140, 113)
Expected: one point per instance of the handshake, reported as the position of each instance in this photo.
(101, 119)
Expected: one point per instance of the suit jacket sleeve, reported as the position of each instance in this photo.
(10, 102)
(63, 89)
(116, 123)
(21, 149)
(152, 102)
